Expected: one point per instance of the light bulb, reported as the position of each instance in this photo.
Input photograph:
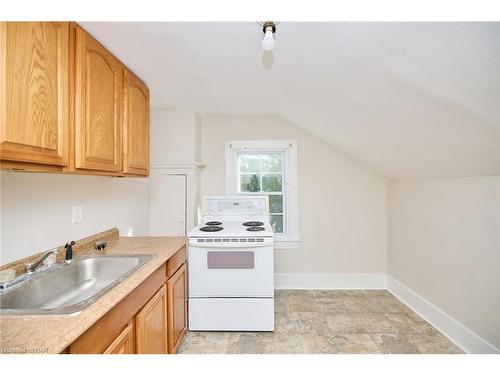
(268, 41)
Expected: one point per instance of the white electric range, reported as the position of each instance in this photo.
(230, 260)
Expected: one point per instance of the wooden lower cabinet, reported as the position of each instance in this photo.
(151, 325)
(101, 336)
(124, 343)
(152, 319)
(177, 308)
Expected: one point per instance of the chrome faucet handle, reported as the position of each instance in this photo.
(31, 267)
(48, 253)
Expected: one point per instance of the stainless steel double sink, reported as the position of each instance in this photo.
(69, 288)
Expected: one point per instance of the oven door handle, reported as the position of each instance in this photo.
(230, 245)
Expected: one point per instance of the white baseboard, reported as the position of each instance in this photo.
(330, 281)
(462, 336)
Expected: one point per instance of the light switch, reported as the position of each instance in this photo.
(77, 214)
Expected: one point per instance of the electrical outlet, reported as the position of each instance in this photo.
(77, 214)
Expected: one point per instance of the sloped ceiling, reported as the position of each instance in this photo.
(408, 99)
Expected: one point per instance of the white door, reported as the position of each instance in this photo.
(168, 205)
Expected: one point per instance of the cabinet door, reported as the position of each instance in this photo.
(34, 93)
(177, 308)
(151, 325)
(124, 343)
(98, 106)
(136, 126)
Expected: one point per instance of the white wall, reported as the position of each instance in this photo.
(342, 204)
(175, 135)
(175, 149)
(36, 209)
(444, 244)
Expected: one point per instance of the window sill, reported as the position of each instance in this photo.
(287, 244)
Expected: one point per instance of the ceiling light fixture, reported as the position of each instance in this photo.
(269, 28)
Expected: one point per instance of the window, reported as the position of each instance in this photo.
(267, 168)
(262, 173)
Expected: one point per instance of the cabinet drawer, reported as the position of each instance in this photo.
(177, 260)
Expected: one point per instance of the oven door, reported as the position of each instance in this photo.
(240, 271)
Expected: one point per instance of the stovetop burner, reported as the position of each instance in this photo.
(255, 229)
(213, 223)
(253, 223)
(211, 228)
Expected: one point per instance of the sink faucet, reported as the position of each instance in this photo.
(32, 267)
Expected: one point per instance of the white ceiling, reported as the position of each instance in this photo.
(408, 99)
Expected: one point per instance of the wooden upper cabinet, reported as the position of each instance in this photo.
(67, 104)
(177, 308)
(151, 325)
(34, 92)
(135, 126)
(98, 106)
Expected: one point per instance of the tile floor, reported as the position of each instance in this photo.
(333, 321)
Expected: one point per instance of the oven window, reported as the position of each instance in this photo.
(219, 260)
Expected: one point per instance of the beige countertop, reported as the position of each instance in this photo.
(52, 334)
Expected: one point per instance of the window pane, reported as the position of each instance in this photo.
(272, 182)
(272, 162)
(276, 204)
(249, 183)
(249, 163)
(277, 223)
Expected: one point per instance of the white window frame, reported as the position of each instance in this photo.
(290, 239)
